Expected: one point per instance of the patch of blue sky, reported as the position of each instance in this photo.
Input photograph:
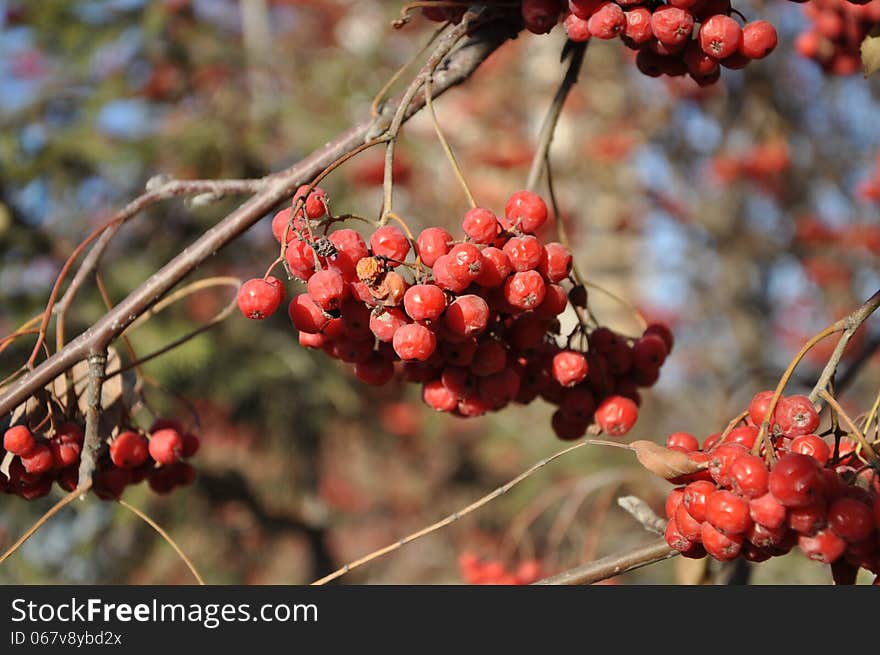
(127, 119)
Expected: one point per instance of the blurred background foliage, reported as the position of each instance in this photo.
(742, 214)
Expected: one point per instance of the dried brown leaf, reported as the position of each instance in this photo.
(665, 462)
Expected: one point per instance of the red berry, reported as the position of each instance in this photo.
(567, 428)
(695, 496)
(607, 21)
(350, 249)
(166, 446)
(720, 546)
(388, 241)
(438, 397)
(758, 39)
(386, 323)
(432, 243)
(578, 402)
(328, 289)
(765, 537)
(649, 352)
(38, 459)
(721, 459)
(850, 519)
(688, 526)
(555, 264)
(583, 8)
(481, 225)
(750, 476)
(796, 416)
(444, 278)
(465, 262)
(673, 500)
(300, 259)
(280, 223)
(807, 519)
(496, 267)
(376, 370)
(720, 36)
(524, 253)
(698, 63)
(683, 440)
(663, 332)
(64, 454)
(758, 407)
(616, 415)
(638, 25)
(767, 511)
(812, 445)
(259, 298)
(306, 315)
(424, 302)
(796, 480)
(130, 449)
(490, 357)
(525, 210)
(569, 367)
(555, 301)
(576, 28)
(824, 546)
(467, 315)
(525, 290)
(671, 25)
(314, 203)
(18, 440)
(191, 444)
(540, 16)
(414, 342)
(745, 435)
(727, 512)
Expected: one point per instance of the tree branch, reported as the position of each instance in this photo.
(612, 565)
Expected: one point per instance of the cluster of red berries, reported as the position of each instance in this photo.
(36, 461)
(474, 322)
(493, 572)
(816, 495)
(837, 31)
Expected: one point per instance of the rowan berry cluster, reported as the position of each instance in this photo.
(816, 495)
(836, 34)
(493, 572)
(473, 320)
(35, 461)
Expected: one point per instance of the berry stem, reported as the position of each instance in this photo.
(429, 81)
(852, 427)
(576, 52)
(146, 519)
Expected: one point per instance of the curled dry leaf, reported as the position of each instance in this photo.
(665, 462)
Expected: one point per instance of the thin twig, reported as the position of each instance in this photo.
(165, 536)
(608, 567)
(642, 512)
(852, 427)
(548, 128)
(92, 440)
(447, 149)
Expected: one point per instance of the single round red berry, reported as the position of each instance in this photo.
(807, 519)
(314, 202)
(566, 427)
(824, 546)
(662, 331)
(695, 496)
(38, 459)
(758, 407)
(683, 440)
(796, 480)
(424, 302)
(672, 26)
(525, 210)
(300, 259)
(525, 290)
(750, 475)
(444, 279)
(812, 445)
(306, 315)
(721, 459)
(540, 16)
(850, 519)
(767, 511)
(18, 440)
(525, 253)
(745, 435)
(607, 21)
(383, 325)
(687, 525)
(388, 241)
(496, 267)
(414, 342)
(467, 315)
(481, 225)
(673, 500)
(728, 512)
(465, 262)
(569, 367)
(328, 289)
(720, 36)
(166, 446)
(555, 265)
(759, 39)
(796, 416)
(616, 415)
(649, 352)
(376, 370)
(64, 454)
(638, 25)
(723, 547)
(130, 449)
(259, 298)
(433, 242)
(576, 28)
